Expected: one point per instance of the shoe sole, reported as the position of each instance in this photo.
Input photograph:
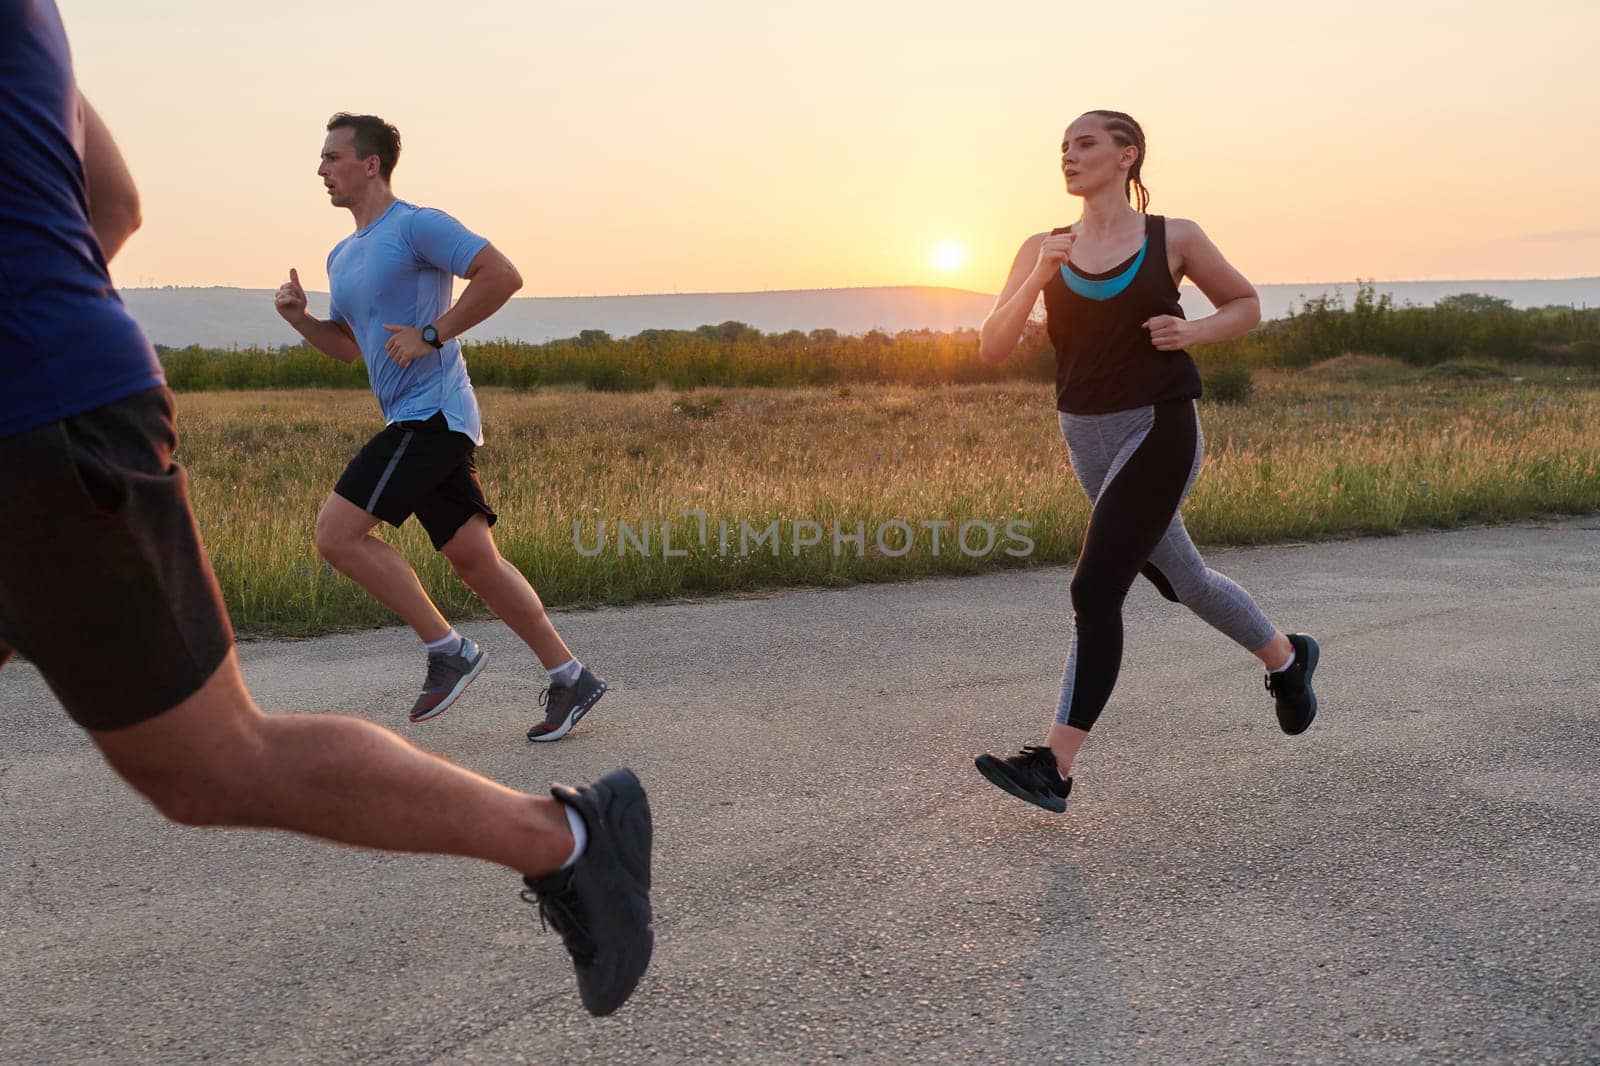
(999, 779)
(572, 718)
(455, 693)
(1313, 654)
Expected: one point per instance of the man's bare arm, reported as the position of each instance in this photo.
(330, 338)
(113, 198)
(491, 281)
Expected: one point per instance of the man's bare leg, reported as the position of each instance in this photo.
(344, 537)
(217, 760)
(476, 560)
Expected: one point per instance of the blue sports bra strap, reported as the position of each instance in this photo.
(1105, 288)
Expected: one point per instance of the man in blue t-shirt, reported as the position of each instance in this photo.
(390, 305)
(105, 586)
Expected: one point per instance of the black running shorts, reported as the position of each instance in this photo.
(104, 583)
(423, 468)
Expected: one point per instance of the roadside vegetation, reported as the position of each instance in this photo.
(732, 355)
(1357, 444)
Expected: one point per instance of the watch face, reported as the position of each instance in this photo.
(430, 335)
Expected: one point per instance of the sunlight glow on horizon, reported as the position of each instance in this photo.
(727, 147)
(948, 256)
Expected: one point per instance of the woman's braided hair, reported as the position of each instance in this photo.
(1125, 131)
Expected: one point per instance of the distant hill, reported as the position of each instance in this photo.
(223, 317)
(219, 317)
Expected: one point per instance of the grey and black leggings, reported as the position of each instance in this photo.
(1138, 467)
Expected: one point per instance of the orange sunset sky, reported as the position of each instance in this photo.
(632, 147)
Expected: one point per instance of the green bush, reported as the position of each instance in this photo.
(1466, 325)
(1585, 354)
(1228, 382)
(1462, 370)
(700, 410)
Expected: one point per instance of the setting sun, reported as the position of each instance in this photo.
(947, 256)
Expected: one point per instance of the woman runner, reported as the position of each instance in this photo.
(1126, 390)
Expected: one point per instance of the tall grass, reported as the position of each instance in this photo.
(1312, 455)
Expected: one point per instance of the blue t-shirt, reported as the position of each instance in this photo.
(399, 270)
(67, 344)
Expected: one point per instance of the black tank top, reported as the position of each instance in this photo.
(1104, 358)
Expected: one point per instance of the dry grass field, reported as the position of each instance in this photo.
(1349, 447)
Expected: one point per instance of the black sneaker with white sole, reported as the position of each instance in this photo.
(1031, 775)
(565, 704)
(601, 904)
(448, 677)
(1291, 688)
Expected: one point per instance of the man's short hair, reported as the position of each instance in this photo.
(373, 137)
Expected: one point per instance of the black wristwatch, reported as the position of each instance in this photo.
(431, 335)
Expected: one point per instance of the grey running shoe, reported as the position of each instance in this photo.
(448, 677)
(565, 704)
(1291, 688)
(601, 904)
(1030, 775)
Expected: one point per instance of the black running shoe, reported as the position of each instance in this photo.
(601, 904)
(1291, 688)
(1030, 776)
(565, 704)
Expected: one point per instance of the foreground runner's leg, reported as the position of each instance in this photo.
(216, 760)
(105, 586)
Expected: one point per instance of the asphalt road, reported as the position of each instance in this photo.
(1417, 879)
